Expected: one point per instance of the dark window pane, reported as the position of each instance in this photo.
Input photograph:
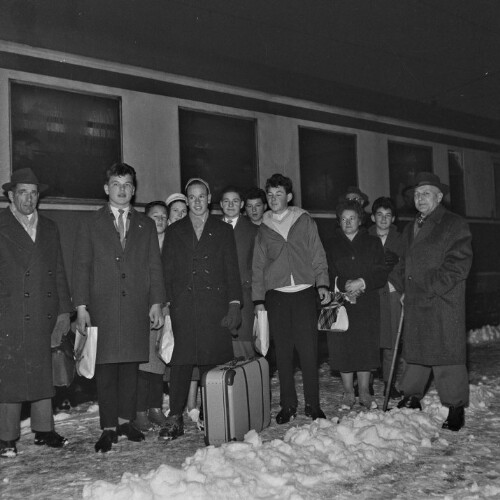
(456, 172)
(496, 173)
(405, 162)
(327, 167)
(67, 138)
(219, 149)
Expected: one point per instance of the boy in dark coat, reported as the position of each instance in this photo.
(34, 303)
(118, 287)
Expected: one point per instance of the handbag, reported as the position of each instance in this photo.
(85, 352)
(261, 333)
(333, 317)
(63, 361)
(165, 342)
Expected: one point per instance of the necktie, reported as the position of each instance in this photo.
(121, 227)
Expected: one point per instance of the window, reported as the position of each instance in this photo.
(67, 138)
(327, 167)
(219, 149)
(456, 172)
(405, 162)
(496, 176)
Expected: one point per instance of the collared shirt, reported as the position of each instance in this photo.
(233, 221)
(29, 222)
(116, 214)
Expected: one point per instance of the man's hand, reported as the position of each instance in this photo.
(324, 295)
(60, 328)
(82, 319)
(156, 316)
(232, 320)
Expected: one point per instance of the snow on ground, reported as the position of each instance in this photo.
(369, 455)
(485, 334)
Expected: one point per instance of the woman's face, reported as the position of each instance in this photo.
(159, 215)
(178, 210)
(350, 222)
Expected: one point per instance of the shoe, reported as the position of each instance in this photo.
(51, 438)
(456, 418)
(8, 449)
(348, 401)
(157, 417)
(173, 428)
(394, 394)
(131, 432)
(410, 402)
(142, 422)
(286, 414)
(107, 439)
(367, 401)
(314, 412)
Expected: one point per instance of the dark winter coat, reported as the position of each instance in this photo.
(33, 291)
(389, 316)
(118, 286)
(363, 257)
(432, 274)
(201, 278)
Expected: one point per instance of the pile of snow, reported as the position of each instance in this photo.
(486, 333)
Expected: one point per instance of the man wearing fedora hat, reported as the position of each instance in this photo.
(34, 305)
(432, 271)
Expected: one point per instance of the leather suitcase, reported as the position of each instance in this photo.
(236, 398)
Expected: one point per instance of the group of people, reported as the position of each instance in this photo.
(211, 274)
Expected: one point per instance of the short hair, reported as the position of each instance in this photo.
(384, 202)
(255, 192)
(277, 180)
(152, 204)
(120, 170)
(231, 189)
(349, 205)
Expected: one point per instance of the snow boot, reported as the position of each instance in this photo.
(157, 417)
(50, 438)
(142, 422)
(106, 441)
(8, 449)
(314, 412)
(130, 431)
(366, 400)
(348, 401)
(286, 414)
(173, 428)
(411, 402)
(456, 418)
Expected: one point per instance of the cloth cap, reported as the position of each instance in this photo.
(175, 197)
(197, 179)
(23, 176)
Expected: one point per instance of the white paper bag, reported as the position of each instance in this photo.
(261, 332)
(85, 352)
(165, 344)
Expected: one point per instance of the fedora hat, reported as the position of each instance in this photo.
(430, 179)
(23, 176)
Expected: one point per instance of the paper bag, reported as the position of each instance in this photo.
(261, 332)
(85, 352)
(165, 343)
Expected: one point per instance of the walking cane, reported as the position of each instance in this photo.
(394, 357)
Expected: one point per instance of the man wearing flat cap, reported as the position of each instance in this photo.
(34, 310)
(436, 260)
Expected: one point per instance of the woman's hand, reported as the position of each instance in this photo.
(355, 286)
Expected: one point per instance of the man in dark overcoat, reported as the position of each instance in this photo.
(118, 287)
(244, 234)
(34, 305)
(204, 295)
(436, 261)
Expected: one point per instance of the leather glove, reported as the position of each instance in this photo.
(391, 259)
(232, 320)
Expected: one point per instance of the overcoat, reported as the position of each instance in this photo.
(118, 285)
(363, 257)
(33, 291)
(201, 278)
(432, 273)
(244, 234)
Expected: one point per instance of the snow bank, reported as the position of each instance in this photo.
(486, 333)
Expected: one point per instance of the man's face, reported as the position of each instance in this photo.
(120, 189)
(198, 199)
(231, 204)
(427, 198)
(383, 218)
(24, 197)
(255, 210)
(159, 214)
(278, 199)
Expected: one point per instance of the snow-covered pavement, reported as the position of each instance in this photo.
(399, 454)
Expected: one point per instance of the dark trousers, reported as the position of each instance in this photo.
(452, 383)
(149, 390)
(116, 392)
(42, 419)
(293, 321)
(180, 380)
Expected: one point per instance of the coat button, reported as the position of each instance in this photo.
(49, 294)
(27, 273)
(26, 294)
(206, 271)
(189, 288)
(117, 259)
(50, 272)
(49, 316)
(194, 272)
(123, 275)
(352, 257)
(124, 293)
(27, 317)
(410, 278)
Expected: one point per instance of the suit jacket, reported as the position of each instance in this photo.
(33, 291)
(201, 278)
(118, 285)
(432, 273)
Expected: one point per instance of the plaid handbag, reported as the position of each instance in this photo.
(333, 318)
